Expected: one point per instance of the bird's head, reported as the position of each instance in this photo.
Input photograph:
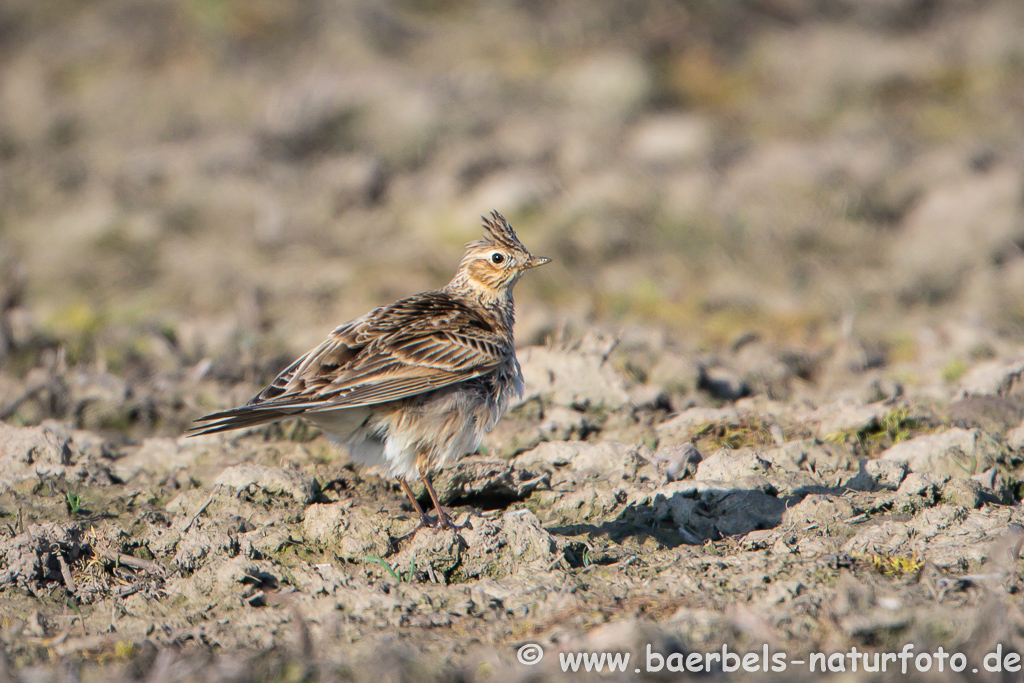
(492, 265)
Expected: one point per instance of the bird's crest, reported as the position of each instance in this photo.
(499, 234)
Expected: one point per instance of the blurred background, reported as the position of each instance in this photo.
(204, 188)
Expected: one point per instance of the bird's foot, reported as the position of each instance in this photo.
(426, 522)
(444, 521)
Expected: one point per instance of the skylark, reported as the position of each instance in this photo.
(413, 386)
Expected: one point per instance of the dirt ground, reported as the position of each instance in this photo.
(775, 373)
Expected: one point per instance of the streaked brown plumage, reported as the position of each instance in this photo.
(412, 386)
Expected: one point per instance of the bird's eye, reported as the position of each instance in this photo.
(497, 258)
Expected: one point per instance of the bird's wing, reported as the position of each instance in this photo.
(390, 354)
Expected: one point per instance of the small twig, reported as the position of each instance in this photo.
(631, 560)
(201, 510)
(559, 559)
(129, 561)
(65, 570)
(130, 590)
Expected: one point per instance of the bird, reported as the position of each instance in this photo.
(411, 387)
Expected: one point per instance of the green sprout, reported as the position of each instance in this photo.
(74, 503)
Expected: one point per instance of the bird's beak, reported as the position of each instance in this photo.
(535, 261)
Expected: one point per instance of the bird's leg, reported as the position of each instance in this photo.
(442, 515)
(424, 519)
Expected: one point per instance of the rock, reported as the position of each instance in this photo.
(822, 511)
(990, 480)
(956, 452)
(965, 493)
(846, 416)
(921, 488)
(270, 480)
(1015, 438)
(677, 462)
(726, 464)
(992, 378)
(483, 477)
(722, 383)
(876, 475)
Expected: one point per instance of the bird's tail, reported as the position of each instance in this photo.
(237, 418)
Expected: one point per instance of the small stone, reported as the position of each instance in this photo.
(677, 462)
(875, 475)
(722, 383)
(1015, 438)
(924, 485)
(847, 416)
(726, 464)
(820, 511)
(964, 492)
